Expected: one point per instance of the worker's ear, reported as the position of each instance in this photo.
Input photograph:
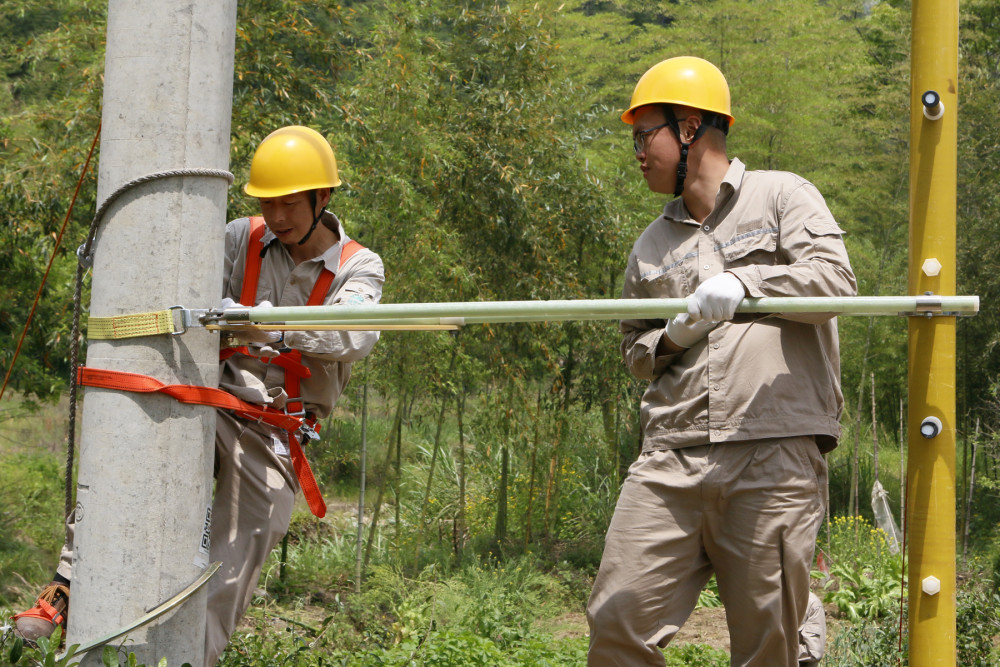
(688, 126)
(323, 197)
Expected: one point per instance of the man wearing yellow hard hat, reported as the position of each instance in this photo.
(299, 256)
(740, 408)
(296, 253)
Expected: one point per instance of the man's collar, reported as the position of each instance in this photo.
(676, 211)
(331, 257)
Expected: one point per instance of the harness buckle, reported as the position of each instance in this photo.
(307, 432)
(181, 323)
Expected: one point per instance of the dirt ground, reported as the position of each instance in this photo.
(705, 626)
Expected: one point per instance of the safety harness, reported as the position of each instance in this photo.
(294, 420)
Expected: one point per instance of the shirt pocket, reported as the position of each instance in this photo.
(822, 227)
(755, 242)
(667, 282)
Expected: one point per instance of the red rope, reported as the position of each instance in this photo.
(55, 249)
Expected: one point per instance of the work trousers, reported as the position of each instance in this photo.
(254, 493)
(747, 511)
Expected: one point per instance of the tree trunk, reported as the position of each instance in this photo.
(500, 530)
(385, 478)
(874, 429)
(359, 551)
(972, 488)
(533, 474)
(460, 530)
(430, 472)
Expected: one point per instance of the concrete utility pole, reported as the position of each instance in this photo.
(931, 475)
(146, 460)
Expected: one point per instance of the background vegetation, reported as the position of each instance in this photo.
(483, 158)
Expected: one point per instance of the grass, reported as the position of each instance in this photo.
(525, 608)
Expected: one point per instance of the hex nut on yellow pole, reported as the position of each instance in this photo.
(931, 424)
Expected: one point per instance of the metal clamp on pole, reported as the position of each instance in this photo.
(223, 316)
(928, 305)
(933, 106)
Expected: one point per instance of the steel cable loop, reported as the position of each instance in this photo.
(85, 260)
(84, 252)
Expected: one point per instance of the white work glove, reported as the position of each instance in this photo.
(248, 336)
(685, 332)
(266, 351)
(716, 298)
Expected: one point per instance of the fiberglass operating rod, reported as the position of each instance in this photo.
(453, 314)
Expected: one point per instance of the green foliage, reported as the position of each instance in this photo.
(866, 578)
(481, 614)
(13, 650)
(878, 642)
(869, 642)
(709, 596)
(49, 102)
(978, 204)
(31, 497)
(47, 653)
(695, 654)
(483, 158)
(977, 625)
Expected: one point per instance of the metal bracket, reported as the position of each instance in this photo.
(929, 305)
(187, 318)
(184, 319)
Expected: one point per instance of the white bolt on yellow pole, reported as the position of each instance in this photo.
(931, 471)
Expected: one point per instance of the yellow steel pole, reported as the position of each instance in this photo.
(931, 472)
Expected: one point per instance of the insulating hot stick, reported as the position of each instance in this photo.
(480, 312)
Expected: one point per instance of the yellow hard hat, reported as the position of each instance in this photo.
(292, 159)
(684, 80)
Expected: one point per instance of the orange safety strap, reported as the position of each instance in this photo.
(291, 361)
(251, 275)
(217, 398)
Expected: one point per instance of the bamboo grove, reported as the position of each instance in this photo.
(483, 159)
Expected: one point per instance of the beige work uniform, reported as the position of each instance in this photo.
(731, 479)
(255, 483)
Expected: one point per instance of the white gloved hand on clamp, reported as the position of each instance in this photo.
(716, 299)
(685, 332)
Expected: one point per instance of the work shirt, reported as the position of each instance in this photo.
(327, 354)
(757, 376)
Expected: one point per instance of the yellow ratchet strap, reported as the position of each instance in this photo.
(132, 326)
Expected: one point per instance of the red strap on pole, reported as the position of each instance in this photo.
(217, 398)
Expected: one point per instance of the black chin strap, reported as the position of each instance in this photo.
(316, 217)
(709, 120)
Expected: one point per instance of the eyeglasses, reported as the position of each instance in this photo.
(639, 138)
